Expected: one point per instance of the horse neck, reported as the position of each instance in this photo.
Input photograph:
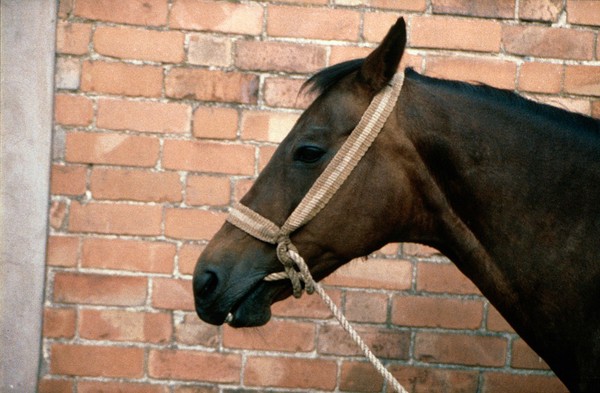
(507, 184)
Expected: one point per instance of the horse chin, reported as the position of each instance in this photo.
(254, 310)
(251, 309)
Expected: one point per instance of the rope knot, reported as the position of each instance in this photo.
(288, 255)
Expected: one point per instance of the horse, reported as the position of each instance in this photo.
(506, 188)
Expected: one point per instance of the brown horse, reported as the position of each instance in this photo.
(507, 188)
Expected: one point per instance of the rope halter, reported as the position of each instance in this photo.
(326, 185)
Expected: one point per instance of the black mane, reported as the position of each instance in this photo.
(503, 97)
(329, 76)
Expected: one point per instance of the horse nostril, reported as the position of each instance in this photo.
(206, 283)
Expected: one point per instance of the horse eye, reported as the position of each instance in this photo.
(308, 154)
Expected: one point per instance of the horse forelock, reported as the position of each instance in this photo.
(329, 76)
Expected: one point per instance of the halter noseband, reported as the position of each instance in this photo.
(326, 185)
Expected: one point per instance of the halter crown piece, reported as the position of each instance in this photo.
(326, 185)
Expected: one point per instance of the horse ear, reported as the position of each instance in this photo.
(381, 65)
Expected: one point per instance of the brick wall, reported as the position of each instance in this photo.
(165, 112)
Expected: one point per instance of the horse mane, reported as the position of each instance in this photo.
(504, 97)
(326, 78)
(329, 76)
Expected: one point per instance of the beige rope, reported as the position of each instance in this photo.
(326, 185)
(348, 327)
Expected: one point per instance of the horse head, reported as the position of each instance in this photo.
(361, 217)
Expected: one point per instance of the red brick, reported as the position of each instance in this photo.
(577, 105)
(188, 255)
(493, 72)
(360, 377)
(192, 224)
(115, 218)
(267, 126)
(67, 73)
(524, 357)
(209, 50)
(64, 8)
(264, 156)
(318, 23)
(286, 336)
(59, 322)
(583, 12)
(207, 190)
(68, 180)
(389, 250)
(62, 251)
(145, 116)
(112, 148)
(419, 250)
(95, 361)
(443, 278)
(208, 157)
(121, 79)
(55, 385)
(541, 77)
(374, 273)
(424, 380)
(72, 110)
(139, 44)
(494, 382)
(135, 185)
(99, 289)
(540, 41)
(136, 12)
(120, 387)
(285, 372)
(437, 312)
(596, 109)
(366, 307)
(582, 79)
(453, 33)
(242, 186)
(385, 343)
(133, 255)
(212, 85)
(192, 365)
(215, 122)
(404, 5)
(279, 56)
(198, 389)
(57, 214)
(307, 306)
(285, 93)
(120, 325)
(376, 26)
(172, 294)
(339, 54)
(485, 8)
(460, 349)
(219, 16)
(192, 331)
(73, 38)
(543, 10)
(306, 1)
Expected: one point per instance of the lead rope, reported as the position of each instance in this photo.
(309, 281)
(326, 185)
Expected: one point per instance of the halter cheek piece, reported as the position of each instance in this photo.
(326, 185)
(320, 193)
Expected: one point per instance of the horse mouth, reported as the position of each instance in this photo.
(252, 308)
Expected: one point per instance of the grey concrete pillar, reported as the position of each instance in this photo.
(27, 74)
